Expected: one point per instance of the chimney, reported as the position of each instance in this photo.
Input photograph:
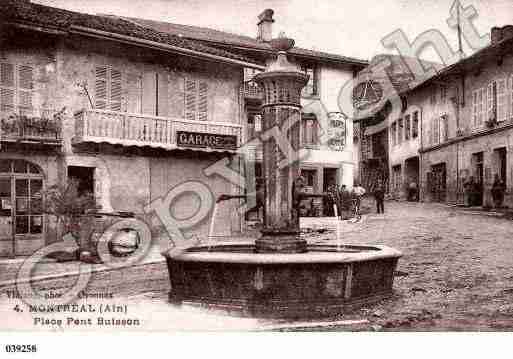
(496, 34)
(501, 33)
(265, 25)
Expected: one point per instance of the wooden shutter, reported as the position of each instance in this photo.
(100, 87)
(202, 101)
(116, 88)
(25, 87)
(7, 87)
(190, 99)
(475, 114)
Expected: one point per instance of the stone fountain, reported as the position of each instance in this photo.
(280, 274)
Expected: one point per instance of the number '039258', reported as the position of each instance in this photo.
(17, 348)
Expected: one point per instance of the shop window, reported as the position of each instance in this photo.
(309, 177)
(415, 125)
(432, 97)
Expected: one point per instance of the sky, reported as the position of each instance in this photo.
(346, 27)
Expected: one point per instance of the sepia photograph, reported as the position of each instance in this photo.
(255, 166)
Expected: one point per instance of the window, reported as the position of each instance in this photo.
(435, 130)
(309, 131)
(443, 94)
(393, 133)
(196, 100)
(400, 131)
(432, 99)
(21, 192)
(491, 96)
(415, 125)
(311, 87)
(254, 124)
(478, 106)
(16, 87)
(108, 88)
(444, 128)
(501, 100)
(407, 127)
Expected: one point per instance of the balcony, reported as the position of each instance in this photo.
(31, 126)
(126, 129)
(252, 91)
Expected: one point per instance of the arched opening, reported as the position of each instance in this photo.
(21, 211)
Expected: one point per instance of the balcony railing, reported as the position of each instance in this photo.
(127, 129)
(251, 90)
(29, 125)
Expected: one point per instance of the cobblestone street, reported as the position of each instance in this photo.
(455, 273)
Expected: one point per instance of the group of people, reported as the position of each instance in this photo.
(473, 192)
(348, 202)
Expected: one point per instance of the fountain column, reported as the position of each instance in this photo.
(281, 114)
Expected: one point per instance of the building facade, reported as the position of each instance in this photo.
(327, 154)
(454, 128)
(473, 137)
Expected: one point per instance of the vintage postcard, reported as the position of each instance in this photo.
(281, 165)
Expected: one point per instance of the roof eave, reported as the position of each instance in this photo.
(160, 46)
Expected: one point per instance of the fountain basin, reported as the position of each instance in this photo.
(326, 280)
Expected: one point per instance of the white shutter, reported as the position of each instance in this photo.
(116, 88)
(489, 102)
(511, 97)
(481, 107)
(502, 108)
(474, 109)
(202, 101)
(100, 87)
(134, 98)
(190, 99)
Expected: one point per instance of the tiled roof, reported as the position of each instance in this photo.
(226, 39)
(27, 12)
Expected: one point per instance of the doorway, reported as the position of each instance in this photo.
(478, 164)
(21, 211)
(439, 182)
(501, 164)
(84, 176)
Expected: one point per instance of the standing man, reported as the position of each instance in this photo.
(379, 196)
(358, 191)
